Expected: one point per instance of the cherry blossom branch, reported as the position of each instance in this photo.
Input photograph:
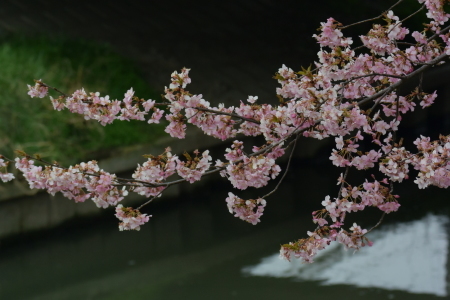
(373, 75)
(407, 77)
(326, 102)
(442, 31)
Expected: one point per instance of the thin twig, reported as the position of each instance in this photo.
(343, 181)
(285, 171)
(150, 200)
(225, 113)
(438, 34)
(413, 14)
(399, 23)
(373, 19)
(50, 87)
(378, 224)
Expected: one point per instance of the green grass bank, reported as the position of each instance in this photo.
(33, 126)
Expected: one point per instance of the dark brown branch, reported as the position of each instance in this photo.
(285, 171)
(225, 113)
(150, 200)
(50, 87)
(378, 224)
(377, 102)
(411, 15)
(438, 34)
(394, 86)
(378, 74)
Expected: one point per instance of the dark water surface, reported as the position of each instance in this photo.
(194, 249)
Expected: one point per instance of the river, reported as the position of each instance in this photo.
(194, 249)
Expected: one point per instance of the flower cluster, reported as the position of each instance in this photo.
(381, 39)
(131, 218)
(331, 36)
(195, 167)
(396, 164)
(352, 199)
(4, 175)
(433, 162)
(100, 108)
(245, 171)
(246, 210)
(38, 90)
(436, 10)
(79, 182)
(185, 107)
(154, 171)
(306, 249)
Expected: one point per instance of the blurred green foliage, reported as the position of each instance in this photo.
(33, 126)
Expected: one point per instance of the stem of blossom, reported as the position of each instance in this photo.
(397, 114)
(285, 171)
(7, 159)
(411, 15)
(420, 82)
(43, 161)
(149, 201)
(378, 224)
(193, 115)
(50, 87)
(343, 181)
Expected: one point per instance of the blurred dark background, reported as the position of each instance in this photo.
(232, 47)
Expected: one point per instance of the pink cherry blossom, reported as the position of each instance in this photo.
(246, 210)
(38, 90)
(4, 175)
(131, 218)
(193, 169)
